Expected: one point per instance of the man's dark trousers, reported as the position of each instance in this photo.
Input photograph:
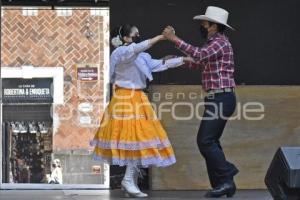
(218, 108)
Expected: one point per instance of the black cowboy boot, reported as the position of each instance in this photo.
(227, 189)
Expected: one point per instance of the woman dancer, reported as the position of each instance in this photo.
(130, 134)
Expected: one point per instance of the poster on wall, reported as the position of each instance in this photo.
(87, 72)
(18, 90)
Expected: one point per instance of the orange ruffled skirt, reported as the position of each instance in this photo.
(131, 134)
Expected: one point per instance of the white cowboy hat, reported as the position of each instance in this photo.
(215, 14)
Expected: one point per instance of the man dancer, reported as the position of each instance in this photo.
(216, 60)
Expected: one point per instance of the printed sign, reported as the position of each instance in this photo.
(85, 107)
(85, 120)
(17, 90)
(87, 72)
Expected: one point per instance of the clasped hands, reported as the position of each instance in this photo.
(169, 34)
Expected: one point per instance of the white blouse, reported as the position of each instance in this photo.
(130, 66)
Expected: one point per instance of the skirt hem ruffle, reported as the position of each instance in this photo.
(143, 162)
(132, 146)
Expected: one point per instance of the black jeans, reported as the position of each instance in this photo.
(217, 110)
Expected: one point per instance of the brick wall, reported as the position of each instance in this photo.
(49, 40)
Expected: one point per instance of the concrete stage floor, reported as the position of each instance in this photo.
(117, 194)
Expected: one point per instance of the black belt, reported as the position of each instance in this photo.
(212, 92)
(222, 90)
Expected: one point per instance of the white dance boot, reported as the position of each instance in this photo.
(129, 185)
(136, 177)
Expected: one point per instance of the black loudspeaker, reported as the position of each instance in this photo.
(283, 176)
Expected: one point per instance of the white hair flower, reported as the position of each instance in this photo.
(116, 41)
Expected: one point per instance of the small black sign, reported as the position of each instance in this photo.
(17, 90)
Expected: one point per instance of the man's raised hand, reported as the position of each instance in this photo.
(169, 33)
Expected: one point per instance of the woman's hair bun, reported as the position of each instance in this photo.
(118, 33)
(116, 36)
(116, 41)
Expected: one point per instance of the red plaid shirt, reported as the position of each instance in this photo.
(216, 60)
